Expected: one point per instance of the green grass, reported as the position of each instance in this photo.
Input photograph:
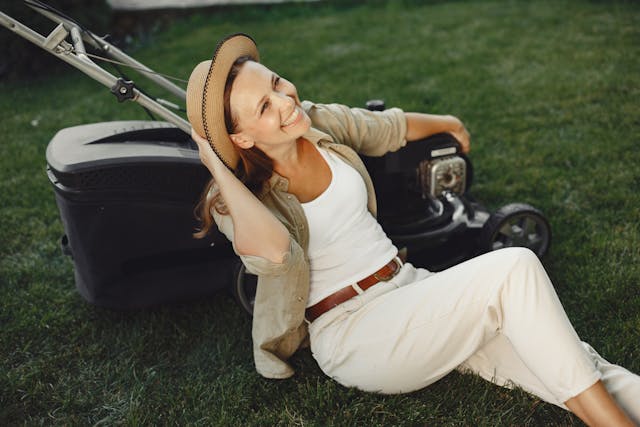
(549, 91)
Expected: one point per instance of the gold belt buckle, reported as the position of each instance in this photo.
(387, 277)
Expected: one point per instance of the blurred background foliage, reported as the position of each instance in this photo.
(21, 58)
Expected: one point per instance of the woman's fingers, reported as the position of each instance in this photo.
(463, 137)
(198, 139)
(207, 155)
(465, 140)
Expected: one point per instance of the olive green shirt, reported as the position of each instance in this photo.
(279, 326)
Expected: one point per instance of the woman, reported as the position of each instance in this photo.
(291, 194)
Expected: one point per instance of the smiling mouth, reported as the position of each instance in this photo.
(292, 117)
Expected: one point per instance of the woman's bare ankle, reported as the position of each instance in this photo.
(596, 407)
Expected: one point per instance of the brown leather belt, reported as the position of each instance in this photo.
(386, 273)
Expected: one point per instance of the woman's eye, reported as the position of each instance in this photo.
(264, 107)
(267, 104)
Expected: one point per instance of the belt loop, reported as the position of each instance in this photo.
(357, 288)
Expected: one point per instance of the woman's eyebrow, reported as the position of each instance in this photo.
(263, 99)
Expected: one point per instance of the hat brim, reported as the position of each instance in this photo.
(205, 94)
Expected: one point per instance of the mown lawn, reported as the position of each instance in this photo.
(549, 91)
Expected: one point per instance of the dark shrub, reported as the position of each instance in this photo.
(21, 58)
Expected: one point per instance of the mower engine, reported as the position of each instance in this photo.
(443, 171)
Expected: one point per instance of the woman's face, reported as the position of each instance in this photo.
(266, 108)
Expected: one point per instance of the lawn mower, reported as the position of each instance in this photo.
(126, 191)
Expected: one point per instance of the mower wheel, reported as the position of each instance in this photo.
(516, 224)
(244, 287)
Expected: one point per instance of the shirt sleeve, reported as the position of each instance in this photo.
(372, 133)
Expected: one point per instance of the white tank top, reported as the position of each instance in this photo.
(346, 243)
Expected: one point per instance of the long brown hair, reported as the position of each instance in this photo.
(254, 169)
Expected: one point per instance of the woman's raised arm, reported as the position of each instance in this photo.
(256, 230)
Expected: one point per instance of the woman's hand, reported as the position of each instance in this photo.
(208, 157)
(420, 126)
(460, 133)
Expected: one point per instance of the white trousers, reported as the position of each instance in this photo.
(497, 315)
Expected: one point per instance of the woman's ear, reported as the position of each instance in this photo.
(242, 140)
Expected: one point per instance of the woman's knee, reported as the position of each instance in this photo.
(521, 257)
(525, 270)
(521, 252)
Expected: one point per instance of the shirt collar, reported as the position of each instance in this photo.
(317, 137)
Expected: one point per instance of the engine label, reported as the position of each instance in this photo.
(443, 152)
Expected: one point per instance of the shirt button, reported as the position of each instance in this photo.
(289, 197)
(300, 299)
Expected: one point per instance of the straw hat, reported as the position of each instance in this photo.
(205, 94)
